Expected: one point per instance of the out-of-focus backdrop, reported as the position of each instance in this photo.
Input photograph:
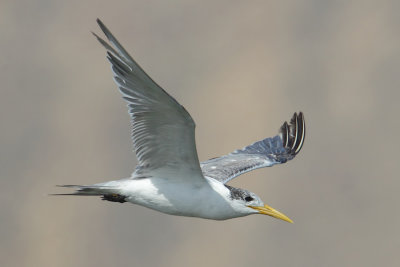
(241, 68)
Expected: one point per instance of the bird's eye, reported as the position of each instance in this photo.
(248, 199)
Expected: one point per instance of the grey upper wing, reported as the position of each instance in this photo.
(264, 153)
(162, 130)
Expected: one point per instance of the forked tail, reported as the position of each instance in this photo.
(109, 193)
(86, 190)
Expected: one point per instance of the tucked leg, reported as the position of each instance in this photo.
(114, 198)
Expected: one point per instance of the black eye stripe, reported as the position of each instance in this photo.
(248, 199)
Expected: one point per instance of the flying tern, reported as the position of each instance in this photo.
(169, 177)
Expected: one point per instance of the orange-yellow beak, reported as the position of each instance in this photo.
(267, 210)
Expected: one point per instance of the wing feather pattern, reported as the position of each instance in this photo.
(265, 153)
(162, 130)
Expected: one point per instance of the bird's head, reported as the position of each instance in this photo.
(247, 203)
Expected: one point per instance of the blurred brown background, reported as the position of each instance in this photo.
(241, 68)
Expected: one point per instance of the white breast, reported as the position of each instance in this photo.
(210, 199)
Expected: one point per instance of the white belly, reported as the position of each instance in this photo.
(206, 200)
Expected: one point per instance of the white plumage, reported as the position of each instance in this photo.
(169, 177)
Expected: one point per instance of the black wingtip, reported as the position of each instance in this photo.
(293, 134)
(105, 30)
(301, 126)
(100, 23)
(284, 131)
(119, 49)
(95, 35)
(102, 26)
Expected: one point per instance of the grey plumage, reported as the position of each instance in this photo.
(163, 139)
(90, 190)
(265, 153)
(157, 118)
(162, 129)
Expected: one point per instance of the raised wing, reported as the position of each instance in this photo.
(264, 153)
(162, 130)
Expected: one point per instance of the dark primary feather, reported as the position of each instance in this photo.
(163, 131)
(265, 153)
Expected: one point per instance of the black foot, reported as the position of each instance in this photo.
(114, 198)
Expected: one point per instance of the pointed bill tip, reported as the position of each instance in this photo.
(267, 210)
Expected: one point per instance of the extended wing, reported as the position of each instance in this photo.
(162, 130)
(264, 153)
